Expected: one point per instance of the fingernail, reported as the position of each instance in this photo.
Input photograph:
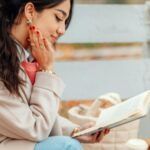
(37, 32)
(107, 131)
(33, 27)
(30, 28)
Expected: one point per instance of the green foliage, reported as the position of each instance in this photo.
(117, 1)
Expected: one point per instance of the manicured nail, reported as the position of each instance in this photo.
(33, 27)
(107, 131)
(37, 32)
(30, 28)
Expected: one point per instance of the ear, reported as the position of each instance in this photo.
(29, 11)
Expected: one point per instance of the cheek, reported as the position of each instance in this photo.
(47, 26)
(44, 29)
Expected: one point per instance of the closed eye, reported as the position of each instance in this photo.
(58, 19)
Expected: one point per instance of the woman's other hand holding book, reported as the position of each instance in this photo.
(94, 138)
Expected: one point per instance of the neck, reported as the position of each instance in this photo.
(19, 32)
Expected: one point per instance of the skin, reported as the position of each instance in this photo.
(40, 35)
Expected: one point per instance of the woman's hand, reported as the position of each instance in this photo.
(41, 49)
(94, 138)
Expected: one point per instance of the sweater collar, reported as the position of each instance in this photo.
(23, 54)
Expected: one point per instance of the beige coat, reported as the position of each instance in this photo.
(28, 120)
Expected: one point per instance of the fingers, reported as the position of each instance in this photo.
(40, 48)
(101, 134)
(85, 139)
(35, 36)
(94, 138)
(97, 137)
(37, 41)
(107, 131)
(32, 44)
(40, 40)
(48, 44)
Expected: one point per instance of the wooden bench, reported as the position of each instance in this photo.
(107, 24)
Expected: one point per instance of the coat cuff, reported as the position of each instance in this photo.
(49, 82)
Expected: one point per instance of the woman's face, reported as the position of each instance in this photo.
(51, 21)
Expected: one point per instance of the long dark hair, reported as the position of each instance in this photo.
(9, 61)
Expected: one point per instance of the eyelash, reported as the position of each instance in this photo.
(57, 18)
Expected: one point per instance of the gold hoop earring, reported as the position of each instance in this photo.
(29, 21)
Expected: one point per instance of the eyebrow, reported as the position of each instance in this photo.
(63, 12)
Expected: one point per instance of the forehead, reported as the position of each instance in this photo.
(65, 6)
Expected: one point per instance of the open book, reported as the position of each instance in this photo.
(122, 113)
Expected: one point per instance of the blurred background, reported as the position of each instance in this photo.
(86, 79)
(100, 51)
(112, 1)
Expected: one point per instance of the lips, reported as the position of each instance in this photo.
(54, 39)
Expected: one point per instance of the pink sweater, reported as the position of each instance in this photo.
(31, 69)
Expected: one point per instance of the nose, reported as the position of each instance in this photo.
(61, 30)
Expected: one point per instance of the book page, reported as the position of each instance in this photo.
(95, 129)
(132, 106)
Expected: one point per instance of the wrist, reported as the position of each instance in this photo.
(47, 71)
(50, 67)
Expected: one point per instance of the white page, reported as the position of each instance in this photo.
(123, 110)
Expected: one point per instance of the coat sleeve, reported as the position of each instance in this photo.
(33, 120)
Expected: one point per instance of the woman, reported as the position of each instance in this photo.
(29, 118)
